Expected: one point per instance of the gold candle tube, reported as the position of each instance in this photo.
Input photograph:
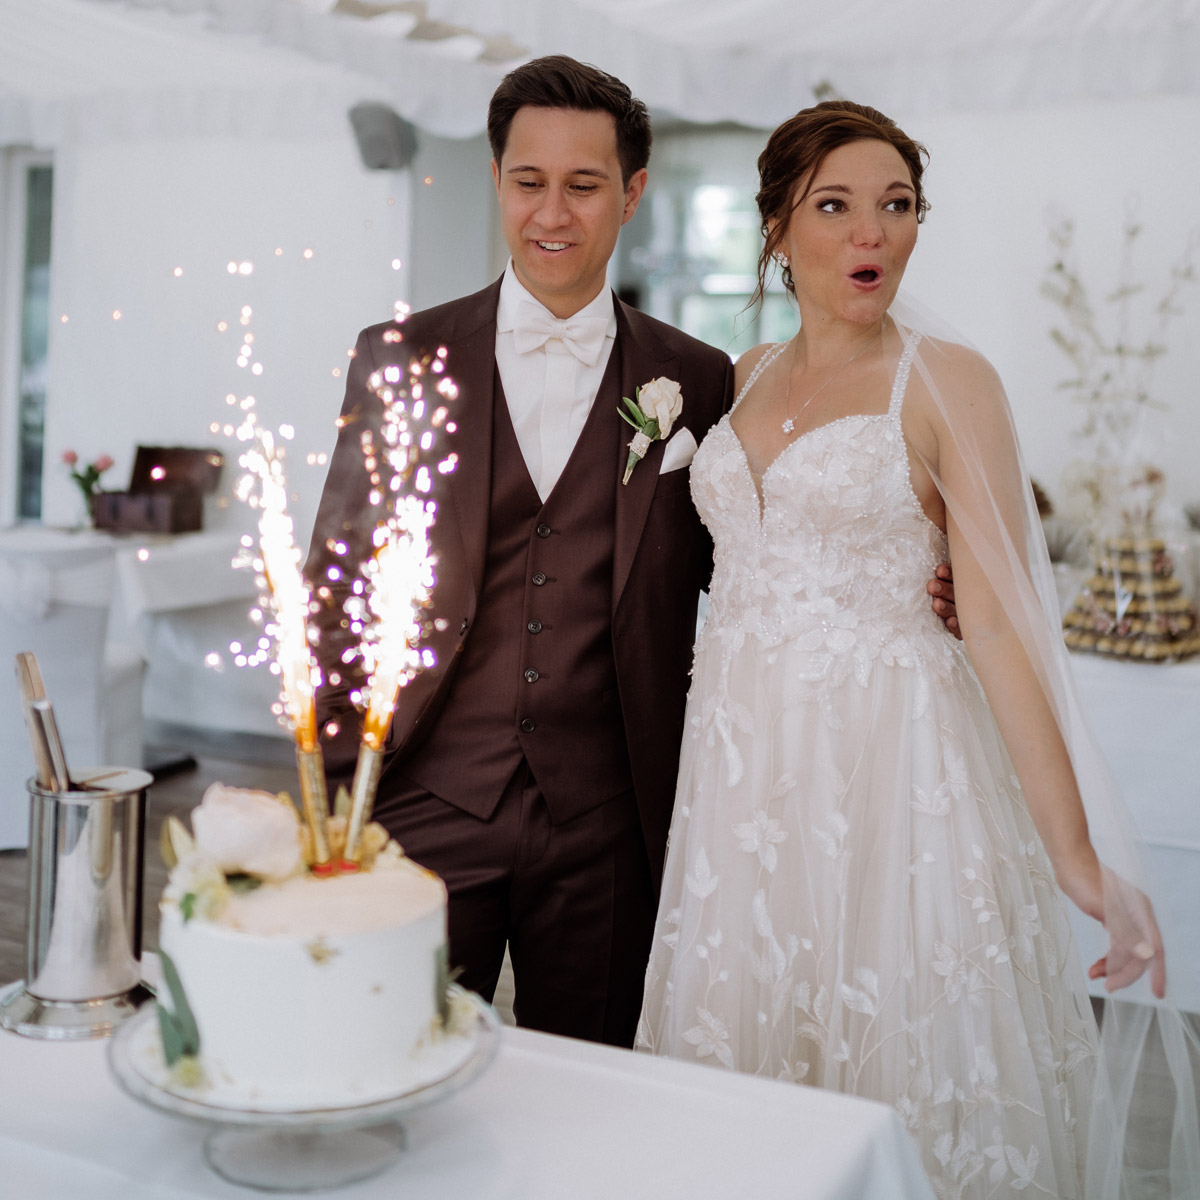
(311, 765)
(362, 796)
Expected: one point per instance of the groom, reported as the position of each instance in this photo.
(533, 767)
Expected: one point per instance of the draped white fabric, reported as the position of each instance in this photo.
(78, 68)
(757, 61)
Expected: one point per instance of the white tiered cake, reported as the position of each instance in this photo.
(306, 992)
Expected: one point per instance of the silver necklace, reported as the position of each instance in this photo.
(789, 424)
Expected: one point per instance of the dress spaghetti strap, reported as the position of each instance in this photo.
(759, 367)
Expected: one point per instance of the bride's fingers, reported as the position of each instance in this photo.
(1158, 977)
(1129, 971)
(1098, 969)
(1130, 965)
(1151, 951)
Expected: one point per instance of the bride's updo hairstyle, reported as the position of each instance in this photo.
(795, 152)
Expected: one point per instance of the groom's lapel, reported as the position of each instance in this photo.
(472, 365)
(643, 358)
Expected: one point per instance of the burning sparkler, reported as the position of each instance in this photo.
(389, 600)
(264, 486)
(399, 578)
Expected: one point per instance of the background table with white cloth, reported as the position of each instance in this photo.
(186, 603)
(551, 1118)
(1146, 718)
(56, 595)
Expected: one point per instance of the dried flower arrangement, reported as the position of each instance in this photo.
(1113, 484)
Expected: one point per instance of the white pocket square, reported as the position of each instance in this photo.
(678, 452)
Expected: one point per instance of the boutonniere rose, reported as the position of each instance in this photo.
(657, 407)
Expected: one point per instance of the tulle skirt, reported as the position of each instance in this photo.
(856, 898)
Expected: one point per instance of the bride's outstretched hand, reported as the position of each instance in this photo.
(1134, 941)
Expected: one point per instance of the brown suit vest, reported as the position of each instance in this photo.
(536, 679)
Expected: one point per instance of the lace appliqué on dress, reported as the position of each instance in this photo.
(856, 896)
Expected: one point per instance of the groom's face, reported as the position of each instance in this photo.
(563, 202)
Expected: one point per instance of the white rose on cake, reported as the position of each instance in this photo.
(248, 833)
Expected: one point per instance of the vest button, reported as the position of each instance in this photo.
(539, 577)
(528, 725)
(534, 626)
(531, 675)
(543, 530)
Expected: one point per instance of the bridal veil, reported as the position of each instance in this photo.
(1146, 1045)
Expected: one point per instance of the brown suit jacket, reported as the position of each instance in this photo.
(662, 553)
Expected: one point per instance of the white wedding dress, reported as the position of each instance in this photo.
(855, 895)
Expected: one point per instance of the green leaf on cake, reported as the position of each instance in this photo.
(178, 1025)
(443, 978)
(172, 1039)
(175, 842)
(240, 883)
(187, 906)
(166, 849)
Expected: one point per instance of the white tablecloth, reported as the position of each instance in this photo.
(551, 1119)
(1147, 720)
(176, 599)
(188, 570)
(187, 602)
(56, 598)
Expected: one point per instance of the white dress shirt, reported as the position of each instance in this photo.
(549, 391)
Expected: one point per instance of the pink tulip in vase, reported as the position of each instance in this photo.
(87, 479)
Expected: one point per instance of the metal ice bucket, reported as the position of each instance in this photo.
(84, 931)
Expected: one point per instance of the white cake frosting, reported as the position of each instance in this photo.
(313, 993)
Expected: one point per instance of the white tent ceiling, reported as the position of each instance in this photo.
(70, 65)
(757, 61)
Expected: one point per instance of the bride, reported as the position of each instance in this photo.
(877, 827)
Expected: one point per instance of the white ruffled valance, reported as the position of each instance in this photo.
(118, 69)
(757, 61)
(94, 70)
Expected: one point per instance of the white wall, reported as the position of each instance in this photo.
(127, 214)
(984, 249)
(454, 220)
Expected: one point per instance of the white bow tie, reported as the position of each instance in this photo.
(583, 336)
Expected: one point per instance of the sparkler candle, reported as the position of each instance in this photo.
(399, 581)
(399, 578)
(289, 601)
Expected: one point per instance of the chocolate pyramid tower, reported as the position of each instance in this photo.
(1133, 606)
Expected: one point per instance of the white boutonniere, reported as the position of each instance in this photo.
(656, 409)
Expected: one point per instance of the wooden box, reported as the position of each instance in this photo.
(166, 491)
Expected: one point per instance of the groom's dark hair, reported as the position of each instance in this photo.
(560, 82)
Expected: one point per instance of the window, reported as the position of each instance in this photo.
(691, 253)
(26, 322)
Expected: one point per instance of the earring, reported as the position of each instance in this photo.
(782, 260)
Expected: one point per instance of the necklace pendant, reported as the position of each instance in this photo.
(788, 425)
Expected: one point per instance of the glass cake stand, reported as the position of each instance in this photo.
(306, 1150)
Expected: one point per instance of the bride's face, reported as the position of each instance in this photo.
(850, 236)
